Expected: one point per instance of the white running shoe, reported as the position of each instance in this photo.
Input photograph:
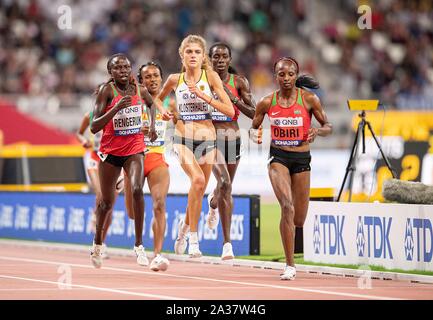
(159, 263)
(181, 240)
(141, 255)
(104, 252)
(227, 252)
(96, 255)
(289, 273)
(194, 250)
(212, 217)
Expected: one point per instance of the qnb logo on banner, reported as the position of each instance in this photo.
(328, 235)
(418, 240)
(372, 237)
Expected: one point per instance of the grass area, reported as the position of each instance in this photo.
(300, 260)
(270, 239)
(271, 248)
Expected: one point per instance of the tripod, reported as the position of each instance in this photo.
(351, 166)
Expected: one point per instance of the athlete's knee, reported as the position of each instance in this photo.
(105, 206)
(287, 208)
(137, 191)
(225, 186)
(198, 183)
(159, 205)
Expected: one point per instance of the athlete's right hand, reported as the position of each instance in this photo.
(123, 103)
(256, 135)
(152, 134)
(86, 144)
(166, 116)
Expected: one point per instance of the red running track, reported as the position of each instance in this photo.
(37, 273)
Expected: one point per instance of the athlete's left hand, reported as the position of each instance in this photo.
(152, 134)
(312, 134)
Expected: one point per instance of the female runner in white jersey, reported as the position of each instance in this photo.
(195, 136)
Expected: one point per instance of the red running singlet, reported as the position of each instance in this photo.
(122, 135)
(289, 125)
(218, 116)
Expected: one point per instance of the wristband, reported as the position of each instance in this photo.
(235, 100)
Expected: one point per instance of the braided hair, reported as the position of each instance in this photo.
(150, 63)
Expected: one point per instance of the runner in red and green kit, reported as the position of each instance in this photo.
(118, 112)
(228, 142)
(289, 110)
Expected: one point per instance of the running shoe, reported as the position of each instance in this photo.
(104, 252)
(181, 240)
(227, 252)
(212, 217)
(289, 273)
(159, 263)
(96, 255)
(141, 256)
(194, 250)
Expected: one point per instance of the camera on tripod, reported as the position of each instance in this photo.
(362, 106)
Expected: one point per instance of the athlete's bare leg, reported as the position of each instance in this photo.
(159, 181)
(281, 183)
(134, 169)
(224, 174)
(108, 175)
(301, 196)
(199, 176)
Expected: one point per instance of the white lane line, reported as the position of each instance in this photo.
(145, 295)
(136, 288)
(28, 289)
(343, 294)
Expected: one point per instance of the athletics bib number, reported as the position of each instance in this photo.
(127, 121)
(287, 131)
(160, 127)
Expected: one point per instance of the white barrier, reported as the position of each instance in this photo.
(395, 236)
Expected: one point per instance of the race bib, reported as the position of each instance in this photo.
(160, 127)
(127, 121)
(192, 109)
(287, 131)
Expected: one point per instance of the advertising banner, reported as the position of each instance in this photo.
(394, 236)
(66, 217)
